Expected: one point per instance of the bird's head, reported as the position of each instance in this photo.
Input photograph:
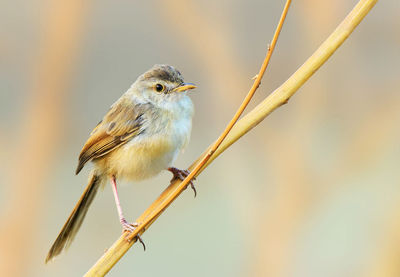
(162, 83)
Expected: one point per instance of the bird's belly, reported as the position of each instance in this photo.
(138, 160)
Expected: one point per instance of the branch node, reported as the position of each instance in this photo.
(285, 102)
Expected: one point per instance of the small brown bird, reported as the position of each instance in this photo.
(141, 135)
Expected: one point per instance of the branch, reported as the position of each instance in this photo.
(279, 97)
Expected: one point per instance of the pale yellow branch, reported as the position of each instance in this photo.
(279, 97)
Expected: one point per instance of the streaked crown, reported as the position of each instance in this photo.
(163, 72)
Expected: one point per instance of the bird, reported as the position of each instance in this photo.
(141, 134)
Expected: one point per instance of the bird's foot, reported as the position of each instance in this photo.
(130, 227)
(181, 175)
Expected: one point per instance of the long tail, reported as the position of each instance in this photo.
(74, 222)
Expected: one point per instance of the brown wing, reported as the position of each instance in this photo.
(119, 125)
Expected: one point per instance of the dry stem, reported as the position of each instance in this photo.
(279, 97)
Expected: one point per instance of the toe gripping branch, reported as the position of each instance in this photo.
(179, 174)
(129, 228)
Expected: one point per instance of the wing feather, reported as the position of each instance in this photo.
(122, 123)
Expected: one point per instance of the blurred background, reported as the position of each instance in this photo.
(314, 190)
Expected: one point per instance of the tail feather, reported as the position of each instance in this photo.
(74, 222)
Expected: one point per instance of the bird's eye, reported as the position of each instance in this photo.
(159, 87)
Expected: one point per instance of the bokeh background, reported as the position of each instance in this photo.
(314, 190)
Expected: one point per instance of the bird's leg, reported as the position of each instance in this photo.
(181, 175)
(125, 225)
(130, 227)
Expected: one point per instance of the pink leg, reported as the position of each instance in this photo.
(125, 225)
(130, 227)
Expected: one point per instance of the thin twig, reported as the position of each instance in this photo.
(272, 102)
(248, 97)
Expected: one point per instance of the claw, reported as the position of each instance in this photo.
(181, 175)
(130, 227)
(141, 241)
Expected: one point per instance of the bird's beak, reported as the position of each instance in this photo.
(184, 87)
